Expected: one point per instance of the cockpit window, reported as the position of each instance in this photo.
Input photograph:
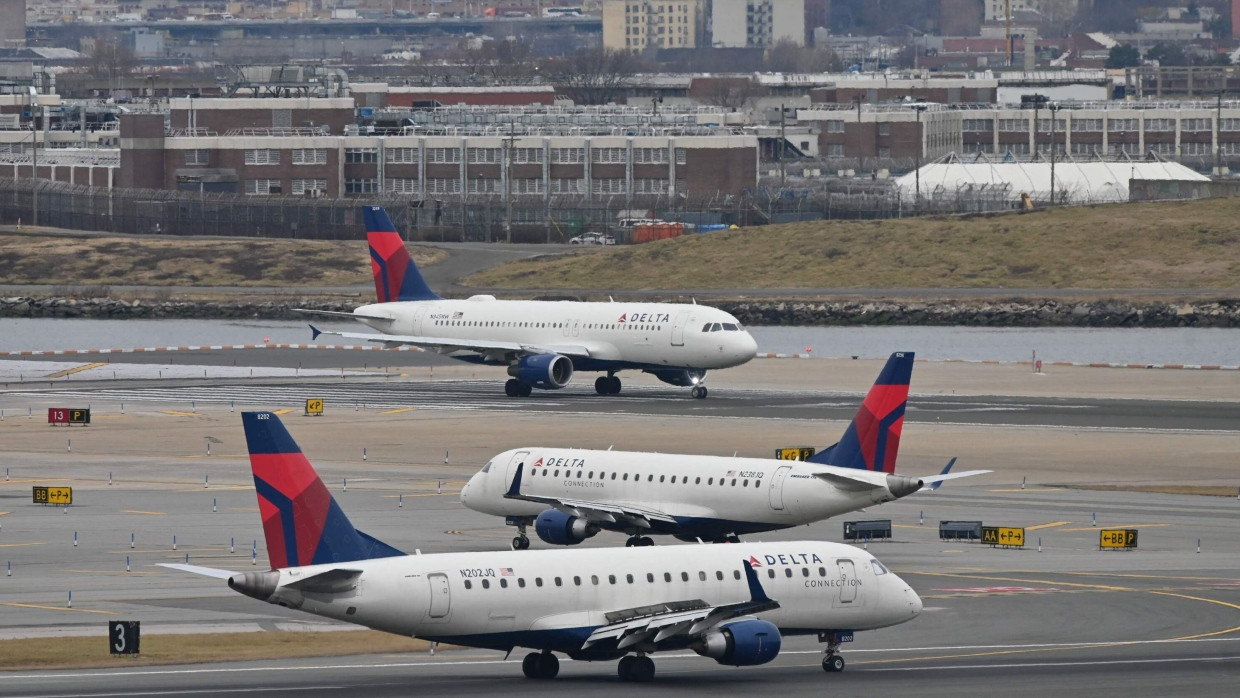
(486, 468)
(706, 327)
(716, 327)
(730, 327)
(878, 567)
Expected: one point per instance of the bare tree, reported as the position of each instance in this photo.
(591, 76)
(786, 56)
(727, 92)
(110, 58)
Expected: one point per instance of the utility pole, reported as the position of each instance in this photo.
(1218, 135)
(34, 155)
(917, 154)
(860, 157)
(1007, 8)
(783, 139)
(1054, 107)
(508, 156)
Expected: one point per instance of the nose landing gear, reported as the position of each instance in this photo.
(699, 392)
(833, 662)
(522, 540)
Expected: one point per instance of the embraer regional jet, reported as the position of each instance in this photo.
(732, 603)
(543, 342)
(569, 495)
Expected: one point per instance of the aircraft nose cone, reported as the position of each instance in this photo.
(915, 604)
(465, 491)
(748, 348)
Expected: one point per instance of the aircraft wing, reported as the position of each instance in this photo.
(689, 619)
(447, 344)
(337, 313)
(590, 511)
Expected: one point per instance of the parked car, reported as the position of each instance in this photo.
(593, 239)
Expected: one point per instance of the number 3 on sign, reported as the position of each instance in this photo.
(119, 646)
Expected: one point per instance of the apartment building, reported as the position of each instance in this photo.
(638, 25)
(757, 23)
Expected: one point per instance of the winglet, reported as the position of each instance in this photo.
(947, 468)
(314, 333)
(515, 489)
(756, 593)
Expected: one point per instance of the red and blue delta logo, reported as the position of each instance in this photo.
(623, 317)
(538, 462)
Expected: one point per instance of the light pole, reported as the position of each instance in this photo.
(1218, 135)
(917, 154)
(34, 155)
(860, 159)
(1054, 107)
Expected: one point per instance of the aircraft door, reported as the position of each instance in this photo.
(416, 323)
(777, 487)
(678, 329)
(848, 583)
(568, 327)
(441, 598)
(517, 459)
(576, 327)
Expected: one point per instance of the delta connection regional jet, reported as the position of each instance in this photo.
(732, 603)
(543, 342)
(569, 495)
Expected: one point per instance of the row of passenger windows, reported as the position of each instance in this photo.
(721, 327)
(595, 580)
(649, 478)
(551, 325)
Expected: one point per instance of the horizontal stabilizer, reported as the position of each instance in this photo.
(195, 569)
(337, 313)
(952, 476)
(333, 581)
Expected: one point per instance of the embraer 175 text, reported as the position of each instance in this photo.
(569, 495)
(732, 603)
(543, 342)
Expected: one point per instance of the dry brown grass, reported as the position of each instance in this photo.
(85, 652)
(1180, 245)
(88, 260)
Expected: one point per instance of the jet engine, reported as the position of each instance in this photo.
(743, 643)
(545, 371)
(557, 528)
(679, 377)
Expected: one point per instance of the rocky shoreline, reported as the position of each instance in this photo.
(974, 313)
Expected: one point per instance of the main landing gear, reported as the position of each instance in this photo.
(699, 392)
(638, 541)
(639, 669)
(607, 385)
(541, 665)
(522, 541)
(833, 662)
(516, 388)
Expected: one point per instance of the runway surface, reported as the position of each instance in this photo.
(376, 393)
(1058, 616)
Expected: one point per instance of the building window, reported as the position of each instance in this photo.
(835, 126)
(1086, 125)
(682, 155)
(309, 156)
(401, 156)
(650, 186)
(484, 156)
(1196, 125)
(528, 186)
(1014, 125)
(610, 155)
(262, 156)
(568, 186)
(262, 187)
(523, 156)
(443, 155)
(884, 128)
(979, 148)
(975, 125)
(303, 186)
(568, 156)
(443, 186)
(1086, 148)
(1114, 125)
(1047, 125)
(650, 156)
(197, 156)
(484, 185)
(884, 153)
(835, 150)
(365, 185)
(607, 186)
(1229, 124)
(401, 186)
(355, 156)
(1159, 125)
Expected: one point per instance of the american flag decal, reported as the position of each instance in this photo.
(505, 571)
(458, 315)
(731, 473)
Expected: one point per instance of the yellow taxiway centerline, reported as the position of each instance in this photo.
(54, 608)
(75, 369)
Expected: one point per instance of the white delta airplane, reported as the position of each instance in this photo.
(569, 495)
(732, 603)
(542, 342)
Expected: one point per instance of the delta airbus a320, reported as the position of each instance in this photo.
(732, 603)
(569, 494)
(543, 342)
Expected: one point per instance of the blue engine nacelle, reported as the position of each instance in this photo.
(557, 528)
(679, 377)
(743, 643)
(546, 371)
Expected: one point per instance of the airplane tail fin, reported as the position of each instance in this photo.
(302, 523)
(873, 437)
(396, 276)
